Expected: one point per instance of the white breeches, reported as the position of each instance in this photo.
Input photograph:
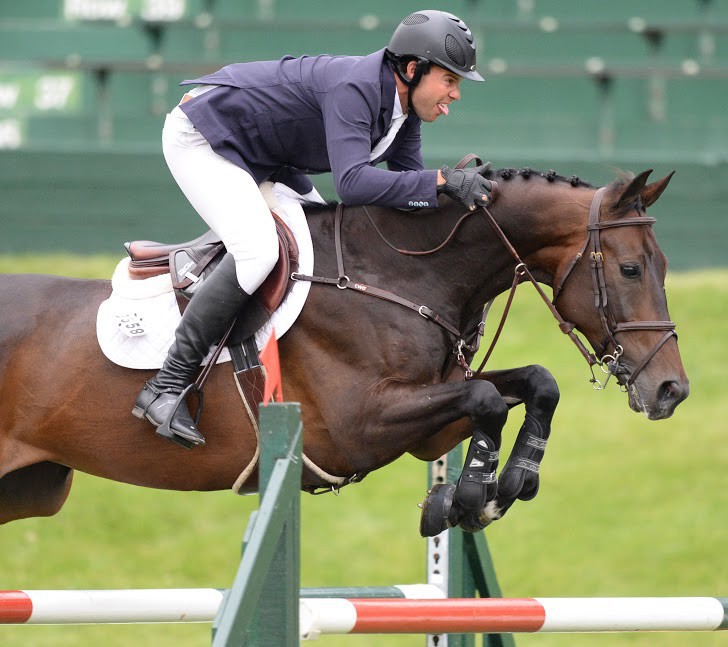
(226, 197)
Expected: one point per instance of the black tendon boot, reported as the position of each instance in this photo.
(204, 322)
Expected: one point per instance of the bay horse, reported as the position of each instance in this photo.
(374, 379)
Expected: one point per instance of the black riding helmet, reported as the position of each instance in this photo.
(434, 37)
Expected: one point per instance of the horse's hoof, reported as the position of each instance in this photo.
(436, 510)
(473, 522)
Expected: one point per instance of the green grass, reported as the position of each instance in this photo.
(627, 507)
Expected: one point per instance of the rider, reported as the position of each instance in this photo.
(282, 120)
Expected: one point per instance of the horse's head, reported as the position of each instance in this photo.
(615, 295)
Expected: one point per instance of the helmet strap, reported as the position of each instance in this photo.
(412, 83)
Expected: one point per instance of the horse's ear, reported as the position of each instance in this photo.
(633, 190)
(653, 191)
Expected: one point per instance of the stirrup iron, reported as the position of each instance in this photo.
(165, 430)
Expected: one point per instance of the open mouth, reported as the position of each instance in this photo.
(444, 109)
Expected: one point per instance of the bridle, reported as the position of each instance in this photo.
(609, 363)
(609, 323)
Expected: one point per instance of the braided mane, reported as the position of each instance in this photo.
(526, 173)
(504, 174)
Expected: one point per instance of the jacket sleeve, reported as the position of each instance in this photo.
(350, 111)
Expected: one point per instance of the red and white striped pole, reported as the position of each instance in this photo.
(109, 606)
(98, 606)
(499, 615)
(378, 615)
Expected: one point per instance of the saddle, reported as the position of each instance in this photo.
(190, 262)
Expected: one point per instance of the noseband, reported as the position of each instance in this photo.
(601, 303)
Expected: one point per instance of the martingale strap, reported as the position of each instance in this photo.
(343, 282)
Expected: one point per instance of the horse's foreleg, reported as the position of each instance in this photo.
(478, 483)
(519, 478)
(449, 505)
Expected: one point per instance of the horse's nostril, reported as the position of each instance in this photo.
(673, 390)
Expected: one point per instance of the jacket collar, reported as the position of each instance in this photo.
(389, 89)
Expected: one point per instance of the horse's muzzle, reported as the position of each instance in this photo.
(667, 396)
(670, 394)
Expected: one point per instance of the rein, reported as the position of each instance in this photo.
(610, 325)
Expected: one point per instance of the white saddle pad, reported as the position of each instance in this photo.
(135, 325)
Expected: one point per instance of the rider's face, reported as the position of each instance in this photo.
(435, 92)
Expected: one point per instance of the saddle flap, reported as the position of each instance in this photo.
(186, 265)
(149, 252)
(273, 290)
(278, 283)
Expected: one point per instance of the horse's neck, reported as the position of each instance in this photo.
(543, 220)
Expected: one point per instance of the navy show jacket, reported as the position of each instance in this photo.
(284, 119)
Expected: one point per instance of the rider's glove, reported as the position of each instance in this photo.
(468, 185)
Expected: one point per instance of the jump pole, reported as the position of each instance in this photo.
(516, 615)
(262, 606)
(323, 615)
(138, 606)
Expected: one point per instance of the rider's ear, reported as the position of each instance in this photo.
(633, 190)
(411, 69)
(653, 191)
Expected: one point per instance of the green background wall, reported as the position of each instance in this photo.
(580, 87)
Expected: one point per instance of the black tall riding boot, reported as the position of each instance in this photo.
(204, 322)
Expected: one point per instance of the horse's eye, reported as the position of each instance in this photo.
(630, 271)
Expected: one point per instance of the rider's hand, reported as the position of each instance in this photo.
(468, 185)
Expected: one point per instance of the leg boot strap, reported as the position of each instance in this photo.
(519, 478)
(478, 483)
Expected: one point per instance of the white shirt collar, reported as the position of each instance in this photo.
(397, 111)
(398, 118)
